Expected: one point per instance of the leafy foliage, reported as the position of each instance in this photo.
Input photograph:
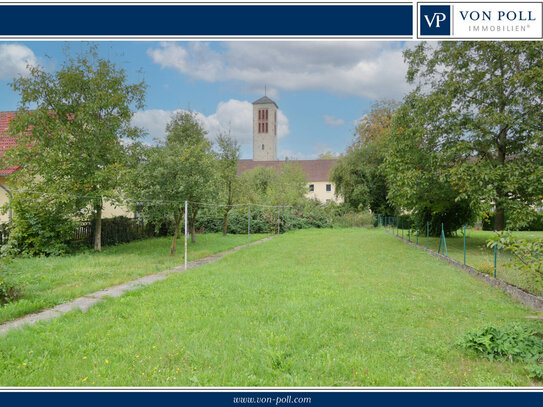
(536, 371)
(357, 175)
(312, 214)
(528, 254)
(509, 343)
(73, 141)
(40, 226)
(227, 166)
(266, 186)
(416, 171)
(478, 105)
(181, 168)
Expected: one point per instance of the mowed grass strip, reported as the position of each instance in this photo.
(481, 257)
(344, 307)
(49, 281)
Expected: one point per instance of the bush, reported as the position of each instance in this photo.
(453, 217)
(509, 343)
(264, 220)
(355, 219)
(527, 254)
(39, 228)
(536, 371)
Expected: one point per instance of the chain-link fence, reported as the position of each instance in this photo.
(468, 246)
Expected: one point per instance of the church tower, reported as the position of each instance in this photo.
(264, 130)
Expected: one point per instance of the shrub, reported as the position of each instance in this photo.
(508, 343)
(312, 214)
(536, 371)
(452, 217)
(355, 219)
(39, 227)
(527, 254)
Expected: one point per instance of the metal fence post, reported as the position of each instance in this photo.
(495, 259)
(427, 234)
(278, 220)
(464, 245)
(186, 231)
(249, 226)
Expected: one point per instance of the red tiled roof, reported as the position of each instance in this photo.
(6, 142)
(315, 170)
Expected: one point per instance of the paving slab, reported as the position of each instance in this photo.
(89, 300)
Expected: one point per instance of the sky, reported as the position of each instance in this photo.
(321, 87)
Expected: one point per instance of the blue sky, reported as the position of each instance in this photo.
(321, 87)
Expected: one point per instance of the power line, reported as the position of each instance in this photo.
(152, 201)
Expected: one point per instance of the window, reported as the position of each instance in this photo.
(311, 188)
(328, 187)
(263, 120)
(262, 146)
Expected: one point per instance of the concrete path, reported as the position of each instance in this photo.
(87, 301)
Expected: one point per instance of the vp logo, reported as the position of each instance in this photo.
(435, 20)
(438, 17)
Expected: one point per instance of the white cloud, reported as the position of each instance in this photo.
(14, 59)
(333, 121)
(234, 115)
(375, 70)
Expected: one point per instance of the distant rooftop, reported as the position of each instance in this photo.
(315, 170)
(264, 100)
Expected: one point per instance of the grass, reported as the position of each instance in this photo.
(481, 257)
(340, 307)
(49, 281)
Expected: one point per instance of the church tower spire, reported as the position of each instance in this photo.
(264, 130)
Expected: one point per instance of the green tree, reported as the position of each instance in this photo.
(482, 104)
(73, 141)
(267, 186)
(357, 175)
(228, 157)
(290, 187)
(181, 168)
(416, 171)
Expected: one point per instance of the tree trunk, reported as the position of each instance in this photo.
(175, 234)
(98, 227)
(499, 220)
(225, 222)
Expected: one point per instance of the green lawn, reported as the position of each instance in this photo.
(481, 257)
(51, 281)
(340, 307)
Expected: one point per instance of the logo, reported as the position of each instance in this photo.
(435, 20)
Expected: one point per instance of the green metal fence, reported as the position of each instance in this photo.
(468, 246)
